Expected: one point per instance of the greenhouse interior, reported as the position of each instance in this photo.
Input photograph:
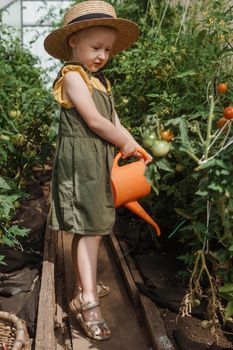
(116, 201)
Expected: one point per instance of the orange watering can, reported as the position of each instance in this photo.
(129, 183)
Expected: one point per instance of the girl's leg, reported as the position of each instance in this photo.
(102, 289)
(86, 261)
(87, 254)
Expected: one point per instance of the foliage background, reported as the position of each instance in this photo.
(27, 127)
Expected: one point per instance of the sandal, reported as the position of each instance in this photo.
(96, 329)
(75, 304)
(102, 290)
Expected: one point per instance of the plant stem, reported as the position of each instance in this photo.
(209, 127)
(164, 12)
(219, 132)
(182, 21)
(198, 132)
(191, 155)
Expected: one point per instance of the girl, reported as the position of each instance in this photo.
(89, 129)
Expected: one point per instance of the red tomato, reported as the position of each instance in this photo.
(228, 112)
(222, 88)
(167, 135)
(221, 122)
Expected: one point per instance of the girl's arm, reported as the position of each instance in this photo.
(77, 92)
(127, 133)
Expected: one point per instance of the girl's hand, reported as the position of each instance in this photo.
(128, 149)
(140, 157)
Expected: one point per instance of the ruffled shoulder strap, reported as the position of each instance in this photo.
(57, 85)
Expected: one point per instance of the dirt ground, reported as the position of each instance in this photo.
(191, 334)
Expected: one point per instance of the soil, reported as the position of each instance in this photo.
(189, 329)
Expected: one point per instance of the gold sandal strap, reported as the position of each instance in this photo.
(90, 305)
(94, 323)
(101, 285)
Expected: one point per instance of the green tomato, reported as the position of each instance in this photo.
(148, 140)
(160, 148)
(179, 168)
(205, 324)
(17, 204)
(18, 140)
(15, 114)
(196, 302)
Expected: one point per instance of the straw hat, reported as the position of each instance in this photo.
(86, 14)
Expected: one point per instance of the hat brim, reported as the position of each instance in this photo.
(127, 33)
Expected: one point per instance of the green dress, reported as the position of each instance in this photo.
(82, 198)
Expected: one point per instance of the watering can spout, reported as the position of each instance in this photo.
(136, 208)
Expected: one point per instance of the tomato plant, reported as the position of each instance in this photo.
(26, 107)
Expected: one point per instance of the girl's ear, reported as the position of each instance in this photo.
(72, 41)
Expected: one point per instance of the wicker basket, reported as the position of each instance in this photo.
(13, 332)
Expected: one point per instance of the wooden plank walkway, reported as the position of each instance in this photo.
(133, 318)
(117, 308)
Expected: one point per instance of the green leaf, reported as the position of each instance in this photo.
(7, 241)
(17, 231)
(3, 154)
(173, 121)
(184, 133)
(226, 288)
(164, 165)
(228, 310)
(202, 34)
(202, 193)
(154, 63)
(2, 257)
(215, 187)
(3, 184)
(212, 163)
(186, 73)
(230, 248)
(183, 213)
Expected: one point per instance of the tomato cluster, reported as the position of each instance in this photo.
(159, 146)
(228, 111)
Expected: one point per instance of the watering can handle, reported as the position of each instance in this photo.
(145, 155)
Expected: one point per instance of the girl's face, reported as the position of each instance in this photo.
(92, 46)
